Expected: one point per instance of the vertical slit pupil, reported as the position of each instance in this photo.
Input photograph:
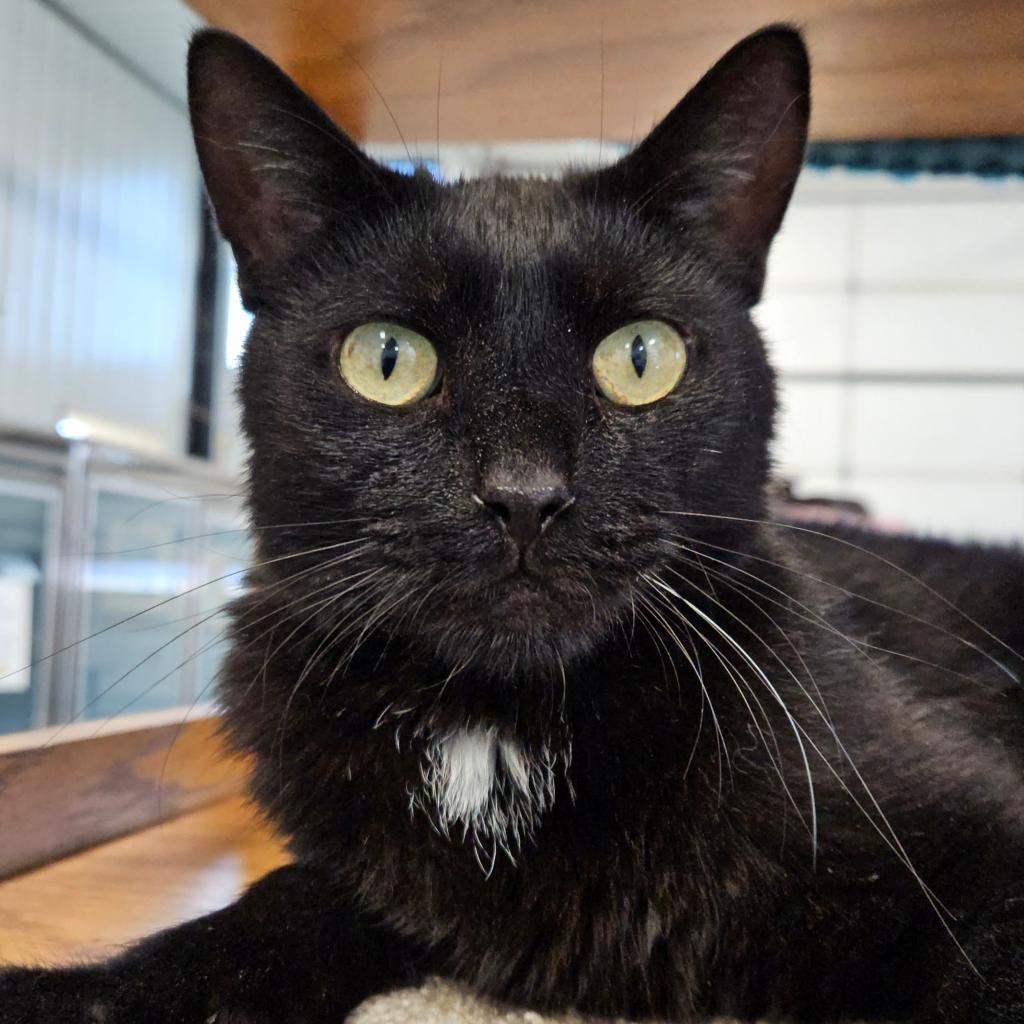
(388, 357)
(639, 355)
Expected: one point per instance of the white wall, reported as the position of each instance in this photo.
(895, 313)
(149, 35)
(99, 199)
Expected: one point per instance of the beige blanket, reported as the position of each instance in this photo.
(440, 1003)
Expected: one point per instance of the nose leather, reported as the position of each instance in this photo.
(524, 499)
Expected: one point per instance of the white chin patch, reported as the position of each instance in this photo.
(483, 786)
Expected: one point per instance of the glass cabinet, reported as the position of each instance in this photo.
(28, 524)
(138, 574)
(113, 576)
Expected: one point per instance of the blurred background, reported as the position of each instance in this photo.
(894, 307)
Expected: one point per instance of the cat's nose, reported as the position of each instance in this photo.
(525, 502)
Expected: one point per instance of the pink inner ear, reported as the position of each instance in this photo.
(750, 212)
(283, 223)
(259, 211)
(727, 156)
(268, 156)
(258, 207)
(276, 166)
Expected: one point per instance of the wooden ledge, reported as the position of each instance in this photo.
(88, 905)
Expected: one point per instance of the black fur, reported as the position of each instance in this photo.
(818, 819)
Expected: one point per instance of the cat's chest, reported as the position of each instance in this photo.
(481, 787)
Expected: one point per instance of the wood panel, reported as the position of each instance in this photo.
(533, 69)
(90, 904)
(64, 789)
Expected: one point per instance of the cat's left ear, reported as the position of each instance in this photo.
(280, 174)
(726, 158)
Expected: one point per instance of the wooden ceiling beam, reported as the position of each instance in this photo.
(533, 69)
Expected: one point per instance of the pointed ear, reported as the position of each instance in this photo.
(277, 169)
(726, 158)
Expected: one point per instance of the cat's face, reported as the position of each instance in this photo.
(502, 516)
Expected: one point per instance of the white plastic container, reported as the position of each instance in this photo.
(18, 581)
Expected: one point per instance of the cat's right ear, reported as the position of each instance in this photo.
(278, 171)
(725, 159)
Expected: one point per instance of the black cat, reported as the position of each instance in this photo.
(543, 697)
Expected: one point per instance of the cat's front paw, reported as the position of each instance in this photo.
(30, 996)
(106, 996)
(99, 995)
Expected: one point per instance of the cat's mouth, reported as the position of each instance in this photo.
(521, 622)
(523, 603)
(534, 605)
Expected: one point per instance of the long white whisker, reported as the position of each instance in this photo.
(721, 746)
(152, 654)
(177, 597)
(223, 533)
(891, 565)
(745, 691)
(889, 836)
(759, 672)
(816, 618)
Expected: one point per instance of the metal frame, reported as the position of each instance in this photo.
(70, 586)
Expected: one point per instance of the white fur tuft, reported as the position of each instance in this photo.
(467, 760)
(485, 784)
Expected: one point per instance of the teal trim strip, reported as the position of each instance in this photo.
(997, 156)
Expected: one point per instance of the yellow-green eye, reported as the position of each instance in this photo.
(389, 364)
(640, 363)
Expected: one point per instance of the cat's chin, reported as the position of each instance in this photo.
(513, 654)
(519, 630)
